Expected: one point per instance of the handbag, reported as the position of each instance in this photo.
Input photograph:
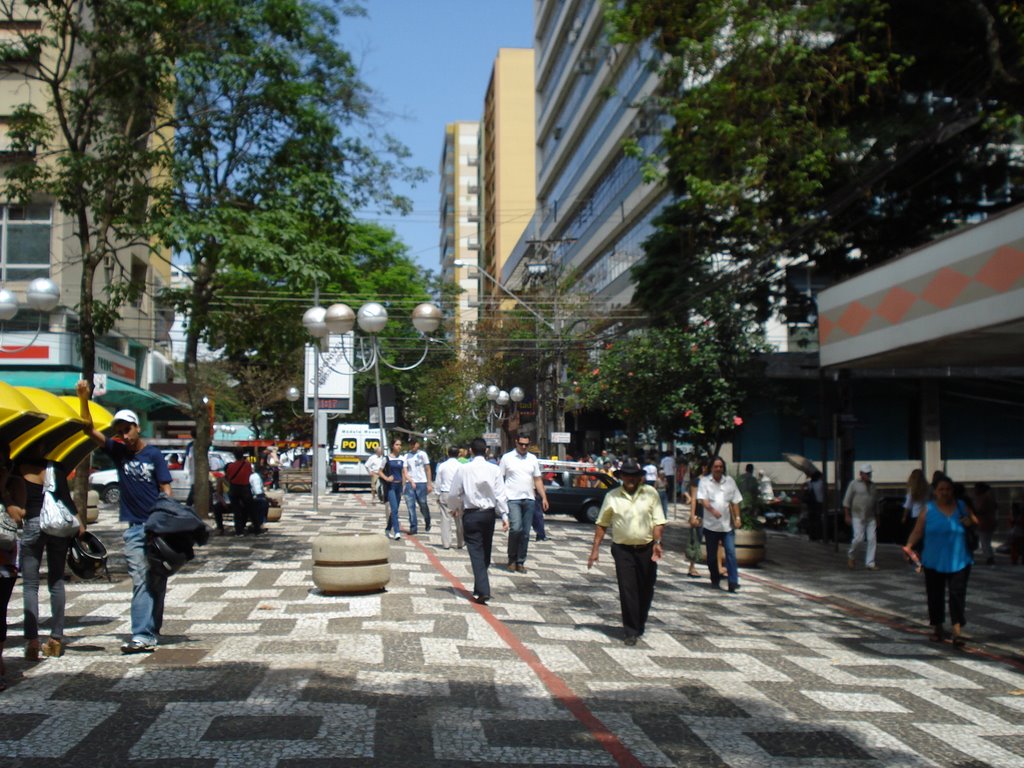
(694, 551)
(55, 519)
(970, 531)
(8, 530)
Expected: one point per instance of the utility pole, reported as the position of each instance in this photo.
(547, 267)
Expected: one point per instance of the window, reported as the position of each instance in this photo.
(24, 242)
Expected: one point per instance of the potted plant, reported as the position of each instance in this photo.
(750, 536)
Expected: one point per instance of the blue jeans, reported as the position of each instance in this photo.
(148, 589)
(520, 519)
(395, 500)
(538, 520)
(33, 544)
(728, 540)
(416, 494)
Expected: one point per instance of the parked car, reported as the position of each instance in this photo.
(577, 492)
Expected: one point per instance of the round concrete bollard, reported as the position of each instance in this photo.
(348, 563)
(92, 509)
(274, 510)
(749, 547)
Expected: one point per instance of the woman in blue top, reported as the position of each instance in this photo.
(945, 558)
(394, 474)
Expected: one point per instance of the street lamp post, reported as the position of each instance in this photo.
(498, 400)
(41, 295)
(371, 318)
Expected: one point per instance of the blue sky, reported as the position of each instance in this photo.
(429, 62)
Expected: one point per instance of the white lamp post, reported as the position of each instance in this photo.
(371, 318)
(42, 295)
(498, 401)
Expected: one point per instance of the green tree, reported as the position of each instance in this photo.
(270, 160)
(90, 135)
(838, 132)
(677, 380)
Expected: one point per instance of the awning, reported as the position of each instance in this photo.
(119, 394)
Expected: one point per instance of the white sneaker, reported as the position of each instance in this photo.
(398, 537)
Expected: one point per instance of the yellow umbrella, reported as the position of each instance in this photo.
(18, 414)
(71, 452)
(61, 422)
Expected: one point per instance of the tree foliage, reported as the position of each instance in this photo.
(271, 161)
(839, 132)
(689, 382)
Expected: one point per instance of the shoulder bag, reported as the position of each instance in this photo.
(8, 530)
(970, 531)
(55, 519)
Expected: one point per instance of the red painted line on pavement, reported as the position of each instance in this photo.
(556, 685)
(878, 618)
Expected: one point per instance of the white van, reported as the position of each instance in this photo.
(353, 444)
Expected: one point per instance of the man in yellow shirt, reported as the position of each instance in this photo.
(633, 510)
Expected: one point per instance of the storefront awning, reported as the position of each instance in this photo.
(119, 394)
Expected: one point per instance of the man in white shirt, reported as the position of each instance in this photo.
(720, 500)
(417, 464)
(445, 474)
(523, 484)
(478, 491)
(374, 463)
(860, 507)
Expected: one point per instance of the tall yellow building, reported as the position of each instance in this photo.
(507, 171)
(460, 218)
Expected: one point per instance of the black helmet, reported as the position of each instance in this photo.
(87, 556)
(167, 553)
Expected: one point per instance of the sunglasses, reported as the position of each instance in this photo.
(523, 445)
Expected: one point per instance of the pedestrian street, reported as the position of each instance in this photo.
(809, 664)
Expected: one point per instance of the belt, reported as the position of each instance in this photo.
(637, 547)
(480, 509)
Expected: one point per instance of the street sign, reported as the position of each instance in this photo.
(492, 438)
(561, 438)
(99, 384)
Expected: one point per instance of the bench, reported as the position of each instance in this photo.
(289, 478)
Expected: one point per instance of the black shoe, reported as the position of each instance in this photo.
(428, 527)
(481, 599)
(629, 640)
(734, 587)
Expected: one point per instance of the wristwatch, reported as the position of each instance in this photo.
(657, 542)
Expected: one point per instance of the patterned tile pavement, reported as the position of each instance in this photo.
(810, 664)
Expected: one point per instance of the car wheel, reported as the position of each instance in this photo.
(111, 494)
(589, 513)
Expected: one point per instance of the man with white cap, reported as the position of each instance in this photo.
(860, 505)
(142, 475)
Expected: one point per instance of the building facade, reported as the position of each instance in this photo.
(460, 217)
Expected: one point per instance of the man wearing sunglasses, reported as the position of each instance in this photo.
(523, 483)
(142, 475)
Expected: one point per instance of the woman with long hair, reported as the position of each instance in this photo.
(918, 494)
(34, 543)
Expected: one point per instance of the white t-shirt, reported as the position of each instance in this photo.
(721, 495)
(445, 472)
(668, 466)
(519, 473)
(650, 473)
(374, 463)
(416, 465)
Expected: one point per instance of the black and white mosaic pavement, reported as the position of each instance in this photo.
(808, 665)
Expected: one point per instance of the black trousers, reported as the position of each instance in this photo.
(478, 531)
(935, 584)
(636, 574)
(241, 502)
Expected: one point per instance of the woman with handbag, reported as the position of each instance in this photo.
(946, 560)
(32, 470)
(11, 513)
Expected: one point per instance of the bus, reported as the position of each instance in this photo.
(353, 444)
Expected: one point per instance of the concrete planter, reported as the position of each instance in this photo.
(749, 547)
(350, 563)
(274, 510)
(92, 508)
